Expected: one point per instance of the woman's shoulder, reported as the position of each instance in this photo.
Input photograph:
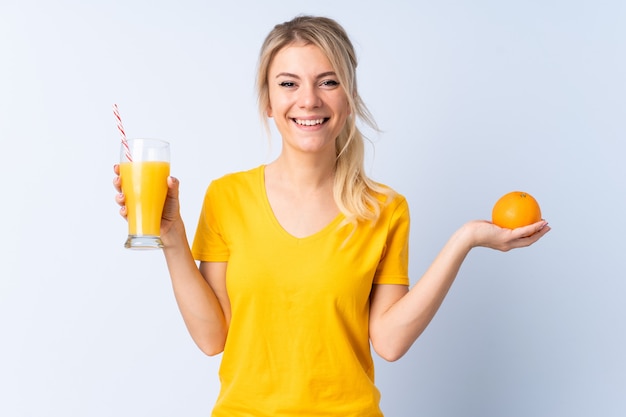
(239, 177)
(388, 196)
(235, 188)
(234, 181)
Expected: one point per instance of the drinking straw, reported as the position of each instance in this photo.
(120, 127)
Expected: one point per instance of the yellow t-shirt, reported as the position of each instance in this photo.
(298, 341)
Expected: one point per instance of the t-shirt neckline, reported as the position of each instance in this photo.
(332, 225)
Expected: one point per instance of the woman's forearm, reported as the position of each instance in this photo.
(198, 304)
(398, 326)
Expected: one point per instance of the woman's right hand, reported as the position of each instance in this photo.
(170, 219)
(171, 209)
(120, 199)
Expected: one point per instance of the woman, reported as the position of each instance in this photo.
(304, 261)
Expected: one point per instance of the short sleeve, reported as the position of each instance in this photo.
(208, 243)
(394, 264)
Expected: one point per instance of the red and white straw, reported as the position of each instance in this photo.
(120, 127)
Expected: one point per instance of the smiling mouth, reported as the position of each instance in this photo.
(310, 122)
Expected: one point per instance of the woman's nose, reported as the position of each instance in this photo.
(309, 97)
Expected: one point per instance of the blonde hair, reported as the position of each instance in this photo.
(357, 196)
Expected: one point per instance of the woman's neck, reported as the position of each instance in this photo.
(305, 174)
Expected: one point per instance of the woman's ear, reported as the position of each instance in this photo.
(268, 111)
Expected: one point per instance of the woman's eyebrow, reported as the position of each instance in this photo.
(327, 74)
(290, 75)
(286, 74)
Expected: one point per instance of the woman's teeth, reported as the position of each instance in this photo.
(309, 122)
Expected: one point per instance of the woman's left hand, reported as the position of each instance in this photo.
(487, 234)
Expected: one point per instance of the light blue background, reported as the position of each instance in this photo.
(475, 99)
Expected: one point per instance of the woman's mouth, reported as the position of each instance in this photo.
(310, 122)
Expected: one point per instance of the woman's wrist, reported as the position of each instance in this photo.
(467, 235)
(174, 235)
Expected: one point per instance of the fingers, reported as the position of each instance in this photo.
(117, 182)
(540, 231)
(171, 210)
(530, 230)
(495, 237)
(120, 198)
(172, 186)
(530, 234)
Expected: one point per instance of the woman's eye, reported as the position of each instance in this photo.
(330, 83)
(287, 84)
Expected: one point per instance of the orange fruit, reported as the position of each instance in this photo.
(516, 209)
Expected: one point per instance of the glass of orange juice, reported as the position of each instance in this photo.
(144, 168)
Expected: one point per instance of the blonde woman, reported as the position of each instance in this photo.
(303, 262)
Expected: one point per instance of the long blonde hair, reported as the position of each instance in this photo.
(357, 196)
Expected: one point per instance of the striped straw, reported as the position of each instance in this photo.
(120, 127)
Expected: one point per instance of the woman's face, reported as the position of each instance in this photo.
(307, 103)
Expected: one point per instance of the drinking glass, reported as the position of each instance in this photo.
(144, 168)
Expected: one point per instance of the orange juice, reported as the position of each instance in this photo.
(145, 186)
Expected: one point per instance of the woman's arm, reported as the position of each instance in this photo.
(199, 292)
(398, 315)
